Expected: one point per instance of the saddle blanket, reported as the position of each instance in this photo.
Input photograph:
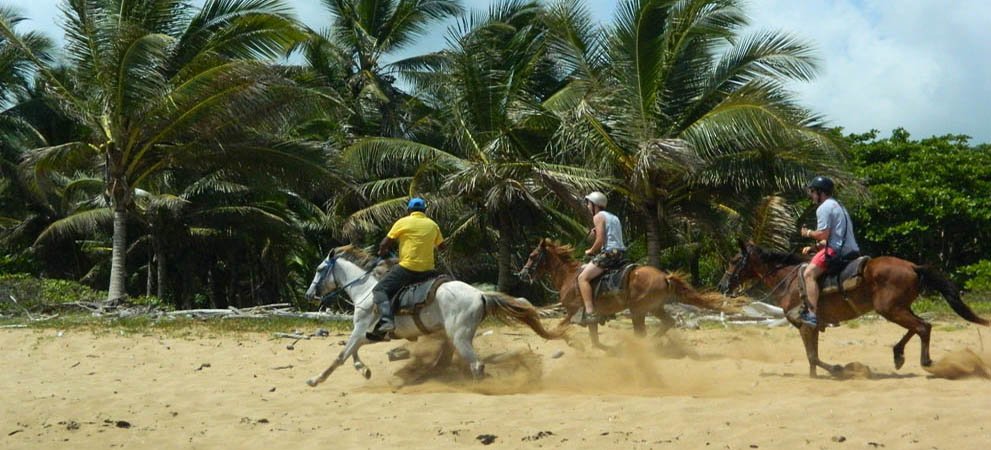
(417, 295)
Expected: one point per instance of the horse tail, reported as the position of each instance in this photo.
(930, 278)
(687, 294)
(508, 308)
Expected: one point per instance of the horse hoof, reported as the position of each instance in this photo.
(367, 373)
(927, 363)
(312, 382)
(899, 361)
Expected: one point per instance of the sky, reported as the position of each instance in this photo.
(924, 65)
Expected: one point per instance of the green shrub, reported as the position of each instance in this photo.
(36, 294)
(979, 276)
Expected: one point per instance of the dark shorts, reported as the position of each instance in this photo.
(610, 259)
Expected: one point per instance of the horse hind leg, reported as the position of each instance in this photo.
(915, 325)
(461, 330)
(667, 322)
(639, 324)
(444, 356)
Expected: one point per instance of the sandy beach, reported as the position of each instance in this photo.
(724, 388)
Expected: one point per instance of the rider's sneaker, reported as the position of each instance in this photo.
(382, 331)
(809, 318)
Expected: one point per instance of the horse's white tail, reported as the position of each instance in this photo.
(507, 308)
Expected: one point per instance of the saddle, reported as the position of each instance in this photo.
(843, 275)
(416, 296)
(612, 281)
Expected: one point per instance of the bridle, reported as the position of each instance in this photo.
(526, 272)
(734, 276)
(328, 269)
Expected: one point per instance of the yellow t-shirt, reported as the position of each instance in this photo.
(417, 236)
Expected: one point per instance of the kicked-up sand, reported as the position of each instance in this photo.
(734, 388)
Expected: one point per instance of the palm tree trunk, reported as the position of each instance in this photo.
(117, 269)
(161, 271)
(504, 256)
(148, 276)
(653, 237)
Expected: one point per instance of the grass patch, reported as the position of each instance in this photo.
(180, 326)
(935, 306)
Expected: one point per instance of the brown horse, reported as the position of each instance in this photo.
(646, 290)
(889, 286)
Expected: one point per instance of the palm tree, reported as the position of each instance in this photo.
(350, 56)
(688, 114)
(158, 84)
(16, 67)
(486, 168)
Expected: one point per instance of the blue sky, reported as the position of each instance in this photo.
(919, 64)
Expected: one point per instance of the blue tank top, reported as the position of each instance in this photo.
(614, 232)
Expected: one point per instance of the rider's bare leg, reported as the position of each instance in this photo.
(811, 275)
(588, 273)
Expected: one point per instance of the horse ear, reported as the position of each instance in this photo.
(331, 253)
(542, 242)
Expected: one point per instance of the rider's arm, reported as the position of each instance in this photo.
(385, 246)
(818, 235)
(600, 234)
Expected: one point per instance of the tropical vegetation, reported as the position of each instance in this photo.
(211, 155)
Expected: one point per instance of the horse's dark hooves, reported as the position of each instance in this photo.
(899, 361)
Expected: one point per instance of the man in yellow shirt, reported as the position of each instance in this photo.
(418, 236)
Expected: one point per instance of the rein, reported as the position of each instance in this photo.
(780, 283)
(329, 269)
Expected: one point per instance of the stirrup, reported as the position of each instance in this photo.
(592, 318)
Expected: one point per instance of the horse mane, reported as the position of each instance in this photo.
(356, 255)
(563, 251)
(782, 258)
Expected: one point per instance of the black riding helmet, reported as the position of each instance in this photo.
(822, 184)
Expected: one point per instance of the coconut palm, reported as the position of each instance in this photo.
(159, 84)
(486, 168)
(684, 110)
(350, 55)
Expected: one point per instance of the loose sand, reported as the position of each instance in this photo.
(737, 388)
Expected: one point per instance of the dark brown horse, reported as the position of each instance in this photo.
(646, 291)
(889, 285)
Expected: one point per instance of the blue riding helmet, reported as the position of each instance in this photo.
(416, 204)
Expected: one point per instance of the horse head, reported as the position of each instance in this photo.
(535, 263)
(323, 280)
(741, 268)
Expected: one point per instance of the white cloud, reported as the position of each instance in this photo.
(918, 64)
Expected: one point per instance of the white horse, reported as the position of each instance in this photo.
(457, 310)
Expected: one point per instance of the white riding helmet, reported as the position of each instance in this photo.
(597, 198)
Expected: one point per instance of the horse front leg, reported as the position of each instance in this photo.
(360, 366)
(355, 342)
(593, 333)
(810, 337)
